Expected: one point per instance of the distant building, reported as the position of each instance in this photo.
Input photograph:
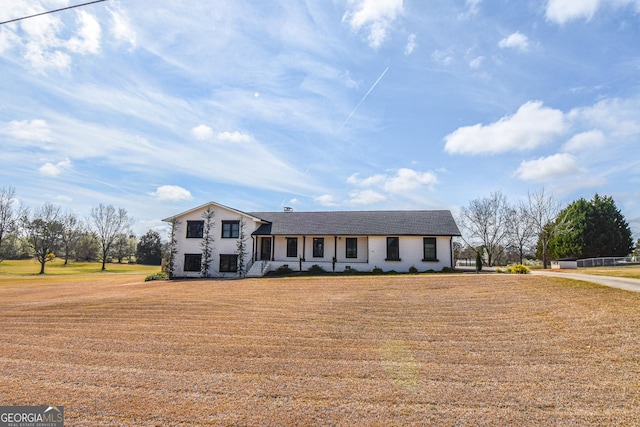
(564, 264)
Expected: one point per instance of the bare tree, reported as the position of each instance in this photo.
(107, 223)
(521, 230)
(542, 211)
(8, 216)
(207, 242)
(43, 231)
(71, 231)
(485, 223)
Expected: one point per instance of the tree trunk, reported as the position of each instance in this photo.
(42, 263)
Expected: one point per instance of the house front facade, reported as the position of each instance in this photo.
(231, 243)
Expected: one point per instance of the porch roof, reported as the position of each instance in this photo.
(358, 223)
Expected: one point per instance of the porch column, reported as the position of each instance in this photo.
(273, 248)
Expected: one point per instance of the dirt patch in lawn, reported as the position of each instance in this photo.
(391, 350)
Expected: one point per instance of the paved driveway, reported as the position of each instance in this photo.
(614, 282)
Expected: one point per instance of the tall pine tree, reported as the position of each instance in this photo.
(596, 228)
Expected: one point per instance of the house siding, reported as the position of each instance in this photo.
(220, 246)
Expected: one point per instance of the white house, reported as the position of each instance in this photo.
(334, 240)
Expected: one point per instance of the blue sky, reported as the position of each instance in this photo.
(160, 106)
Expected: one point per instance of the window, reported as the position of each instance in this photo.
(192, 262)
(318, 247)
(230, 229)
(195, 229)
(430, 249)
(393, 249)
(352, 247)
(228, 263)
(292, 247)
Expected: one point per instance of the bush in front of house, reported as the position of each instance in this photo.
(161, 275)
(413, 270)
(283, 270)
(518, 269)
(316, 270)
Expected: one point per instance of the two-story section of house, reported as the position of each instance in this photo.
(333, 240)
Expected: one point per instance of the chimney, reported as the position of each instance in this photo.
(288, 209)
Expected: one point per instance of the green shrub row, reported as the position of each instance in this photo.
(156, 276)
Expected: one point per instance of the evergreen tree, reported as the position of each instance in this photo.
(241, 248)
(596, 228)
(207, 242)
(149, 250)
(172, 248)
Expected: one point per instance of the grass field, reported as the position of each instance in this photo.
(57, 267)
(387, 350)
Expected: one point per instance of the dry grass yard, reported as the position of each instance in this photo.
(464, 350)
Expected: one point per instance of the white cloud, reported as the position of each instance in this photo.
(64, 199)
(531, 126)
(89, 35)
(50, 169)
(32, 130)
(202, 132)
(403, 181)
(366, 182)
(476, 62)
(516, 40)
(473, 7)
(444, 57)
(171, 193)
(546, 168)
(41, 58)
(375, 16)
(409, 180)
(235, 137)
(365, 197)
(121, 28)
(44, 42)
(411, 44)
(619, 118)
(561, 11)
(585, 141)
(326, 200)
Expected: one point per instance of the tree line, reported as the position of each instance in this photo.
(538, 227)
(47, 232)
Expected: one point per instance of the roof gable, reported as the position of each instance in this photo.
(218, 205)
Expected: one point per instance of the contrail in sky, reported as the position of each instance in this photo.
(363, 98)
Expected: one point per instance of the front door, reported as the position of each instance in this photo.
(265, 249)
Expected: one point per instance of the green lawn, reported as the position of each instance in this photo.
(57, 267)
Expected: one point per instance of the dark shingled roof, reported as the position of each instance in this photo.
(358, 223)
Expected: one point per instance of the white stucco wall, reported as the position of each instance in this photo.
(411, 254)
(220, 246)
(372, 252)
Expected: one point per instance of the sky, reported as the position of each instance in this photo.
(161, 106)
